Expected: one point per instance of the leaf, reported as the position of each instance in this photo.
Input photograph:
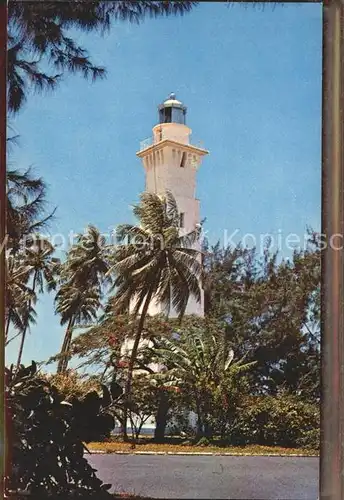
(25, 372)
(230, 358)
(106, 400)
(116, 390)
(91, 402)
(33, 368)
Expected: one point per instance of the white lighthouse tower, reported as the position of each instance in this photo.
(171, 161)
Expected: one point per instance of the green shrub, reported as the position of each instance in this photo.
(203, 442)
(276, 421)
(310, 439)
(72, 385)
(46, 437)
(178, 424)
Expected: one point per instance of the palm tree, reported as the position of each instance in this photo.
(19, 296)
(155, 263)
(88, 259)
(41, 268)
(77, 307)
(82, 279)
(199, 362)
(26, 204)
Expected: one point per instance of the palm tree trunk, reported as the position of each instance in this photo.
(199, 431)
(161, 417)
(207, 429)
(7, 326)
(127, 389)
(66, 358)
(21, 347)
(63, 361)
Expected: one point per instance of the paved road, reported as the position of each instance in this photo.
(176, 476)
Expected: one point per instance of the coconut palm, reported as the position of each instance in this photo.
(88, 259)
(77, 307)
(41, 266)
(82, 278)
(26, 204)
(19, 297)
(155, 263)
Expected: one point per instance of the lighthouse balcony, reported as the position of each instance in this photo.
(152, 141)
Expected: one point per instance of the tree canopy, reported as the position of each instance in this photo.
(42, 41)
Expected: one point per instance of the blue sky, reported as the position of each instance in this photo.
(251, 79)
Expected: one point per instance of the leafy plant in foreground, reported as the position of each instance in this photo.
(47, 438)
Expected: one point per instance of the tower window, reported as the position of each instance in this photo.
(181, 219)
(168, 115)
(183, 160)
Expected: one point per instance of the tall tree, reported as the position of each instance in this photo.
(41, 265)
(19, 297)
(77, 307)
(156, 263)
(88, 259)
(26, 207)
(43, 45)
(83, 275)
(272, 308)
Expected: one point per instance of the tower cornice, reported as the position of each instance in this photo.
(169, 142)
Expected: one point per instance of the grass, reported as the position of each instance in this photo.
(148, 445)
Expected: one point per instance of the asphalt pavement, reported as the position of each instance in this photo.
(210, 477)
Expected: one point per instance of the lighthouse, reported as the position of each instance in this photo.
(171, 160)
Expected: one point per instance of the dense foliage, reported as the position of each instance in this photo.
(272, 312)
(48, 436)
(72, 385)
(201, 366)
(284, 420)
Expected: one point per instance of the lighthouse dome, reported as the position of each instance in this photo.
(172, 110)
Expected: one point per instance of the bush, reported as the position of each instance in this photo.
(203, 442)
(47, 435)
(72, 385)
(276, 421)
(179, 423)
(310, 439)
